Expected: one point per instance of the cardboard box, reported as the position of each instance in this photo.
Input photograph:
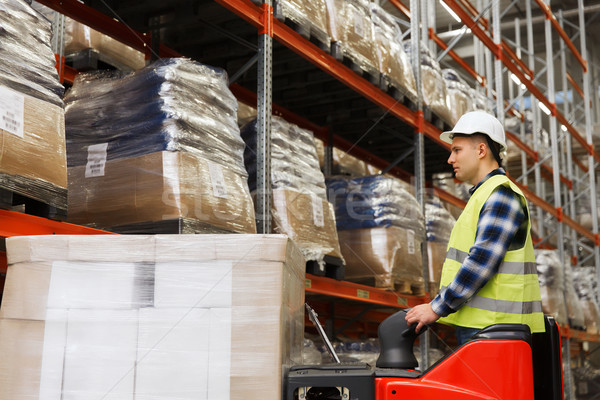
(193, 337)
(161, 186)
(33, 156)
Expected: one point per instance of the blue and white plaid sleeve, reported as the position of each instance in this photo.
(499, 221)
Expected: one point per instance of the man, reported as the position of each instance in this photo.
(489, 273)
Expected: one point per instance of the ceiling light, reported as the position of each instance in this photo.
(545, 109)
(449, 10)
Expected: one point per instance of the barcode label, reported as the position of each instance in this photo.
(96, 160)
(359, 24)
(410, 239)
(317, 206)
(12, 111)
(218, 180)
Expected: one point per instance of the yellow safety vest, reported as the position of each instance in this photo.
(512, 295)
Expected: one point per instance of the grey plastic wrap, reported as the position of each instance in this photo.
(393, 61)
(459, 96)
(586, 288)
(351, 28)
(574, 306)
(27, 62)
(158, 144)
(446, 182)
(381, 230)
(435, 92)
(552, 285)
(300, 206)
(480, 101)
(439, 224)
(150, 317)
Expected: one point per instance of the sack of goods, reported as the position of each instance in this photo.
(439, 223)
(458, 94)
(158, 144)
(32, 131)
(552, 285)
(351, 29)
(393, 61)
(300, 208)
(157, 317)
(586, 288)
(435, 91)
(381, 230)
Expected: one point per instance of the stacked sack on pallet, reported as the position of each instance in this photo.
(393, 61)
(32, 131)
(480, 101)
(381, 230)
(459, 96)
(556, 286)
(586, 286)
(435, 92)
(300, 207)
(439, 223)
(344, 163)
(158, 144)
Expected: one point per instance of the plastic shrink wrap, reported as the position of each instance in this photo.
(459, 97)
(342, 163)
(438, 223)
(446, 182)
(435, 92)
(552, 285)
(158, 144)
(32, 132)
(480, 101)
(150, 317)
(393, 61)
(79, 37)
(352, 31)
(300, 207)
(586, 288)
(381, 230)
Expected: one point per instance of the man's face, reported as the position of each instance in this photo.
(464, 159)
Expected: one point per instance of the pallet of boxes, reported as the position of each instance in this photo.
(299, 199)
(381, 230)
(32, 156)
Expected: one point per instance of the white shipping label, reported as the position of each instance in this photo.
(359, 24)
(96, 160)
(410, 239)
(12, 111)
(86, 34)
(318, 211)
(218, 180)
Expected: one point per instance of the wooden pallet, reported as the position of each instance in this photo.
(305, 29)
(333, 267)
(350, 60)
(12, 200)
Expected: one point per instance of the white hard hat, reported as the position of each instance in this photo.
(478, 122)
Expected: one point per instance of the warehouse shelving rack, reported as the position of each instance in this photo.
(568, 183)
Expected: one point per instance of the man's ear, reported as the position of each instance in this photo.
(482, 150)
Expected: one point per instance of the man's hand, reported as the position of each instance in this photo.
(422, 315)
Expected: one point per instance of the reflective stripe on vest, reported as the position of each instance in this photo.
(506, 267)
(504, 306)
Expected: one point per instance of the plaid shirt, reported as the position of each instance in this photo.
(502, 225)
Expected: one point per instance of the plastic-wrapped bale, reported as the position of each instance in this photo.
(300, 207)
(393, 61)
(585, 282)
(438, 223)
(575, 311)
(480, 101)
(552, 285)
(157, 144)
(351, 31)
(160, 317)
(458, 94)
(446, 182)
(381, 230)
(32, 131)
(435, 92)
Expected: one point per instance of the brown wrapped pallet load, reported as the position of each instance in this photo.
(300, 206)
(352, 32)
(439, 223)
(459, 96)
(381, 230)
(176, 155)
(393, 61)
(585, 282)
(435, 91)
(32, 130)
(150, 317)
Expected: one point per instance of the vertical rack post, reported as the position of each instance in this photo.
(522, 127)
(588, 131)
(498, 62)
(263, 122)
(415, 34)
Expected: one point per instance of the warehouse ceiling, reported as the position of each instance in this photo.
(207, 32)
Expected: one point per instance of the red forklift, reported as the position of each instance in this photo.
(500, 362)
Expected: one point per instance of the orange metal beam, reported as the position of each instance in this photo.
(18, 224)
(400, 6)
(549, 15)
(574, 84)
(365, 294)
